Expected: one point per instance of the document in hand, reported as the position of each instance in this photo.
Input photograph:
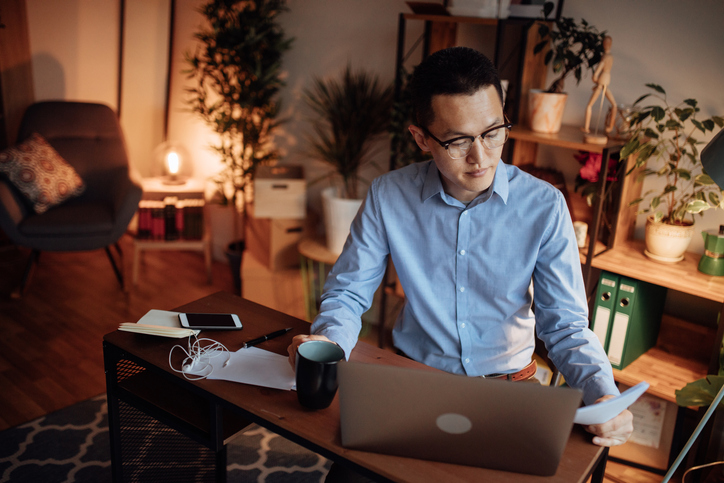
(604, 411)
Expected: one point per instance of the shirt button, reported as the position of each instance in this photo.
(462, 252)
(462, 289)
(467, 361)
(462, 326)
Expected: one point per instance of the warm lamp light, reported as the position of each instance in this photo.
(172, 163)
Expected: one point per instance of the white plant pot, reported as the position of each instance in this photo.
(338, 216)
(667, 243)
(545, 111)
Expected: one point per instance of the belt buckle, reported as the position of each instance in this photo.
(493, 376)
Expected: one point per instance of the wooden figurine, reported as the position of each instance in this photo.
(602, 79)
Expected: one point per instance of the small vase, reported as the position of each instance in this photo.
(545, 111)
(667, 243)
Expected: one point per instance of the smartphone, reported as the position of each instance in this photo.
(210, 321)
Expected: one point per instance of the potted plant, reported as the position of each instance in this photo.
(664, 144)
(574, 48)
(236, 70)
(351, 113)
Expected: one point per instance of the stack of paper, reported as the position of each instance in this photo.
(159, 322)
(175, 332)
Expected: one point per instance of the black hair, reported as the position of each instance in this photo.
(456, 70)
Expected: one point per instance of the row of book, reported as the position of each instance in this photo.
(171, 219)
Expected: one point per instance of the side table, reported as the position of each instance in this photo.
(316, 261)
(155, 189)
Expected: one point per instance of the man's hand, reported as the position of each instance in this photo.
(613, 432)
(296, 341)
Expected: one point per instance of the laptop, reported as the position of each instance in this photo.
(490, 423)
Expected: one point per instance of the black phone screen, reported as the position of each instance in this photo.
(210, 320)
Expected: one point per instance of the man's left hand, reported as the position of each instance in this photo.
(613, 432)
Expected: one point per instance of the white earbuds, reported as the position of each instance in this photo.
(197, 363)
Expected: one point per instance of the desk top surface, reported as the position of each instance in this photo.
(280, 411)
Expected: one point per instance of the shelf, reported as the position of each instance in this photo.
(628, 259)
(583, 252)
(570, 137)
(663, 371)
(183, 409)
(180, 244)
(451, 19)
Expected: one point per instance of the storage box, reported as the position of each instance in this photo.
(273, 241)
(280, 192)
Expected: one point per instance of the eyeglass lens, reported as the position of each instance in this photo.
(491, 140)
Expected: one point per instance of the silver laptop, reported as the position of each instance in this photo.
(490, 423)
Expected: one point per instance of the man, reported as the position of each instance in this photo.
(467, 235)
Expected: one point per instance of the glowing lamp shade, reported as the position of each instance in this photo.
(172, 163)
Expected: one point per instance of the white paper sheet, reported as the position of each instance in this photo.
(601, 412)
(254, 366)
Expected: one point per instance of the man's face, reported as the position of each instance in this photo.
(463, 115)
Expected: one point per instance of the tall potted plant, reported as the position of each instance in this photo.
(574, 48)
(350, 114)
(663, 139)
(236, 72)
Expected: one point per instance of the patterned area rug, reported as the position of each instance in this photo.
(72, 445)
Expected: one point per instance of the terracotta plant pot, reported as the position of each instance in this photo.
(667, 243)
(545, 111)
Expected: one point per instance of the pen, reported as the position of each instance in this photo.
(261, 339)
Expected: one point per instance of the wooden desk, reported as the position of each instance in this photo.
(212, 412)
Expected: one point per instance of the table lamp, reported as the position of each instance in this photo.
(172, 163)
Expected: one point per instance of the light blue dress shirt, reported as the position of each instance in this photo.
(466, 272)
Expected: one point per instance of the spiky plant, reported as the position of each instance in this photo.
(237, 69)
(350, 114)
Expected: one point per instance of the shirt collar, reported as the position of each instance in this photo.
(433, 185)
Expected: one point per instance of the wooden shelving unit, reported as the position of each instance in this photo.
(569, 137)
(663, 368)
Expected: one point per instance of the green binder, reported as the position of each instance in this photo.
(635, 322)
(604, 307)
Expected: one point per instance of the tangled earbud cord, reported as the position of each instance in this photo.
(198, 358)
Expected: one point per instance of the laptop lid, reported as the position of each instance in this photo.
(496, 424)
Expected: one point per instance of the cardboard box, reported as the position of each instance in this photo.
(280, 192)
(273, 241)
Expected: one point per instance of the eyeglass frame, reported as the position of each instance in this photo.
(446, 144)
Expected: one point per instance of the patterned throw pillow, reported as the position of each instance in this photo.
(40, 173)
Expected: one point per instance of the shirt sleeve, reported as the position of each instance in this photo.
(354, 278)
(561, 311)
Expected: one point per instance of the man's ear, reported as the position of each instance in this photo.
(420, 138)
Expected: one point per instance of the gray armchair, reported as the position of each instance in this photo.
(89, 137)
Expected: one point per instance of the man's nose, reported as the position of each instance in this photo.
(477, 151)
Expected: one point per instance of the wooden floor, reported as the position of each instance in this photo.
(51, 345)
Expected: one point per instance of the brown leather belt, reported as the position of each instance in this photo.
(523, 374)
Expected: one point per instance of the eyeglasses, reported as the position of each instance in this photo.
(460, 147)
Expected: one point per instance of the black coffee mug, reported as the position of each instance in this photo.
(316, 373)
